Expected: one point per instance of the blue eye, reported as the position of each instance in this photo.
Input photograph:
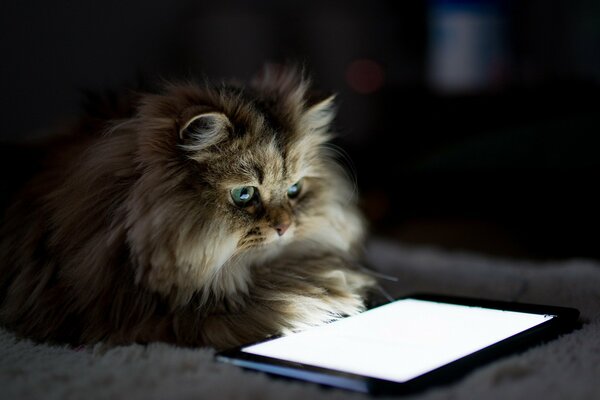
(243, 196)
(295, 189)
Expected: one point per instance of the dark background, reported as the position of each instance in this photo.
(471, 124)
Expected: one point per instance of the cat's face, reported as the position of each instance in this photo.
(246, 175)
(261, 181)
(262, 193)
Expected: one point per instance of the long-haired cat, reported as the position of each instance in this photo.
(208, 215)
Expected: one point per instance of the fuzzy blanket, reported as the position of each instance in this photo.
(568, 367)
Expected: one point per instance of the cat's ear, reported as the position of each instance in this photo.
(318, 117)
(204, 130)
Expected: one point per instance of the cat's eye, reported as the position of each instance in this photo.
(244, 195)
(294, 190)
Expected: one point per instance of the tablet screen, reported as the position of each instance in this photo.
(400, 340)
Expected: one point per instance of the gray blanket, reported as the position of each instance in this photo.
(568, 367)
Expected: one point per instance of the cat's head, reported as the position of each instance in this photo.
(232, 176)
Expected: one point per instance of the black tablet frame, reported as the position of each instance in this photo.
(566, 320)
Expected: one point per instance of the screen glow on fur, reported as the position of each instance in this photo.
(401, 340)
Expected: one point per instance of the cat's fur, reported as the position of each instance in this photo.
(129, 234)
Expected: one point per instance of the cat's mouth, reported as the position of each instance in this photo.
(256, 239)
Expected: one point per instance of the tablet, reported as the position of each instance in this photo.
(406, 345)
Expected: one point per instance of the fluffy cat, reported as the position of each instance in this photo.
(208, 215)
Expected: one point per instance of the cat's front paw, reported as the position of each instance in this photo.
(319, 299)
(289, 296)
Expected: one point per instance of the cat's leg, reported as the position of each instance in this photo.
(290, 295)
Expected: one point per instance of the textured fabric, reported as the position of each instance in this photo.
(564, 368)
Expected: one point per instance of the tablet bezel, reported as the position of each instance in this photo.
(565, 321)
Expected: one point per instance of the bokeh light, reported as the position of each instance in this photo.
(364, 76)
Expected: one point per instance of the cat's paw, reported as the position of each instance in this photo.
(289, 297)
(320, 298)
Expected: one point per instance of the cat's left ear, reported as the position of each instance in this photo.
(318, 117)
(204, 130)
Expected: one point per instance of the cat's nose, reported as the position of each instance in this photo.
(280, 219)
(281, 228)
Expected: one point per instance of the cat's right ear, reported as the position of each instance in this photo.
(204, 130)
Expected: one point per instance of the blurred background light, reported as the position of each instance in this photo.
(364, 76)
(467, 45)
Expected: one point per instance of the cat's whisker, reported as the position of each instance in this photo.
(349, 171)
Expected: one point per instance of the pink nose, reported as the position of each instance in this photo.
(281, 228)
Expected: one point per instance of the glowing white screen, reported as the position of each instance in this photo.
(401, 340)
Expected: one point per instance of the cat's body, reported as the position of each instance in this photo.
(209, 216)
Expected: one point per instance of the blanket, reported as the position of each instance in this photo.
(568, 367)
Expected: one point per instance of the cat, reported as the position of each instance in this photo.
(204, 215)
